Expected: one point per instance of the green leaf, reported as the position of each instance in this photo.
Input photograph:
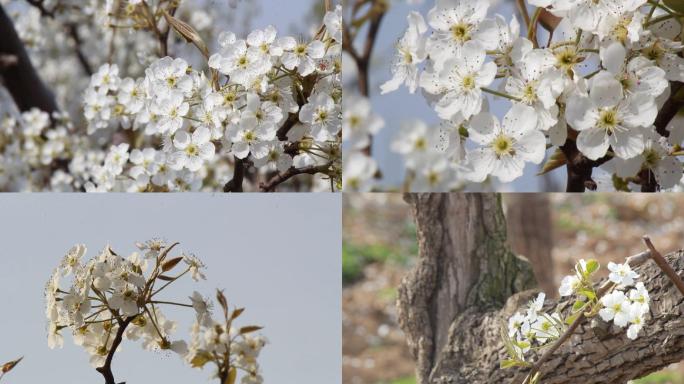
(589, 294)
(536, 378)
(592, 266)
(578, 306)
(508, 363)
(571, 319)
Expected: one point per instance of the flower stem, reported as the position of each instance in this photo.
(500, 94)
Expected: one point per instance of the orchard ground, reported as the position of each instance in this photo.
(379, 247)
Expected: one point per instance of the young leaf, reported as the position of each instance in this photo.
(592, 266)
(571, 319)
(579, 304)
(249, 329)
(237, 313)
(11, 364)
(232, 375)
(169, 265)
(188, 32)
(200, 359)
(556, 160)
(508, 363)
(164, 277)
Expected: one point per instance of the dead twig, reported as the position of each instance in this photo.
(664, 266)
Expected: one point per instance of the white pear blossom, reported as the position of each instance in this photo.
(504, 147)
(410, 52)
(621, 274)
(459, 81)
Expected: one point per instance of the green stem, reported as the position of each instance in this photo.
(171, 303)
(500, 94)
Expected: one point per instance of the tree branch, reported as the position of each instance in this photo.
(280, 178)
(235, 184)
(597, 352)
(21, 79)
(362, 61)
(106, 369)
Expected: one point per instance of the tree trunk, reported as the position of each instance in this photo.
(452, 315)
(464, 263)
(18, 74)
(530, 234)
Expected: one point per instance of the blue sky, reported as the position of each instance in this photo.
(279, 256)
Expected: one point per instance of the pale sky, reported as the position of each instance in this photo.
(279, 255)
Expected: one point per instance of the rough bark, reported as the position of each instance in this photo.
(21, 78)
(530, 234)
(464, 263)
(452, 317)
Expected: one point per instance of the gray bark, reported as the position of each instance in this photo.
(464, 263)
(530, 234)
(452, 315)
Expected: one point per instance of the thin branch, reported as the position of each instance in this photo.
(664, 266)
(280, 178)
(522, 8)
(362, 60)
(73, 32)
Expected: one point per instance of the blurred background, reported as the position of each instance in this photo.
(379, 247)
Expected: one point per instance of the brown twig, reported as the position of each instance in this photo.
(664, 266)
(362, 60)
(85, 64)
(522, 8)
(280, 178)
(106, 369)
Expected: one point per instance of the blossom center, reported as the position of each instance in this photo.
(503, 146)
(460, 32)
(468, 82)
(420, 144)
(192, 150)
(608, 120)
(651, 157)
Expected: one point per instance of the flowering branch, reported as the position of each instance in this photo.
(112, 298)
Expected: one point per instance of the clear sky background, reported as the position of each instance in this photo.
(277, 255)
(399, 106)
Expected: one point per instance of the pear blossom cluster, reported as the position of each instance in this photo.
(625, 303)
(532, 329)
(267, 106)
(597, 84)
(110, 298)
(229, 348)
